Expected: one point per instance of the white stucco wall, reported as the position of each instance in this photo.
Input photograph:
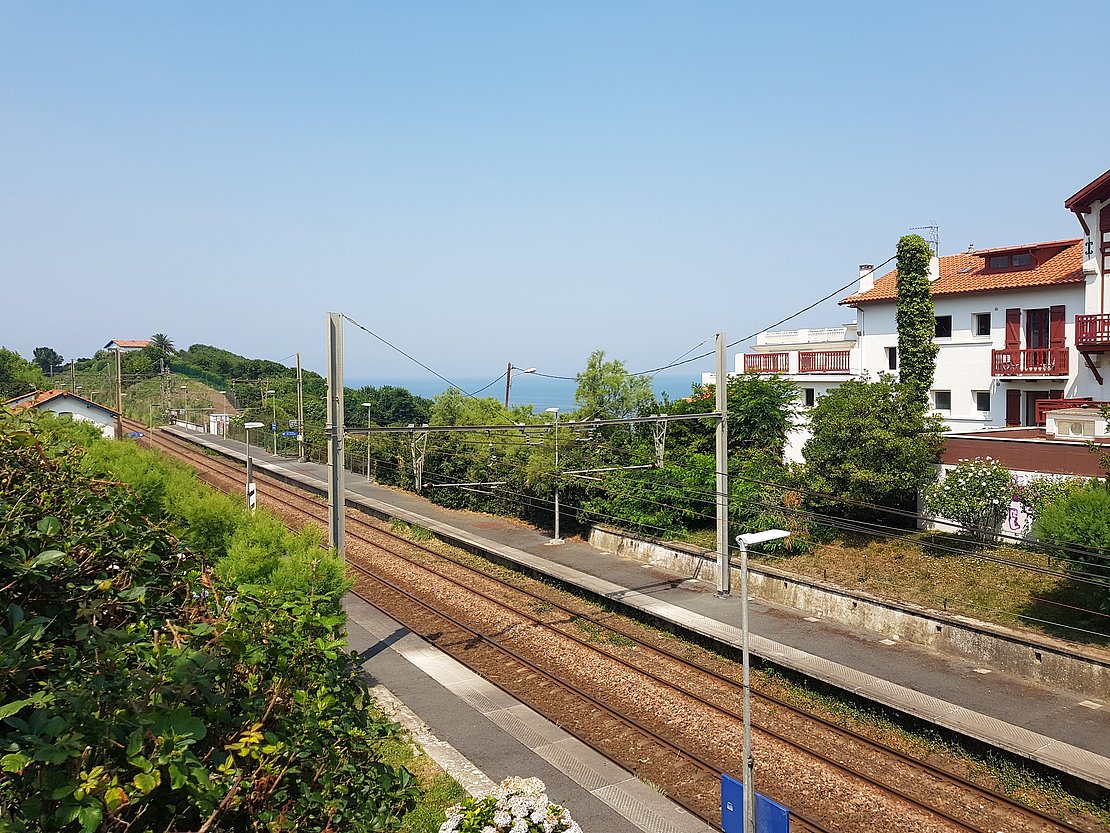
(964, 360)
(82, 411)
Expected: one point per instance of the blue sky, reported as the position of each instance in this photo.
(494, 181)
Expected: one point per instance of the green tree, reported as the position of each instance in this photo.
(162, 344)
(761, 411)
(47, 359)
(17, 375)
(870, 446)
(606, 390)
(917, 352)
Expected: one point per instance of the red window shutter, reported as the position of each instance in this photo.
(1013, 329)
(1056, 326)
(1013, 407)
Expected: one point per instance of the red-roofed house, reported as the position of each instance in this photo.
(127, 344)
(63, 403)
(1016, 326)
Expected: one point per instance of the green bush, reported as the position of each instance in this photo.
(1080, 521)
(245, 548)
(135, 694)
(1038, 492)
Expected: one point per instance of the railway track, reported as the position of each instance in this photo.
(653, 711)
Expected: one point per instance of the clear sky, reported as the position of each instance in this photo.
(480, 182)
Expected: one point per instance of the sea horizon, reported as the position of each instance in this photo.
(540, 392)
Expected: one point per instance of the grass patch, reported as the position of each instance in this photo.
(949, 573)
(436, 789)
(419, 533)
(600, 635)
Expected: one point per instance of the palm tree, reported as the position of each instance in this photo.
(162, 343)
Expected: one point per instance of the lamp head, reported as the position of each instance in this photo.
(367, 404)
(551, 410)
(252, 425)
(749, 538)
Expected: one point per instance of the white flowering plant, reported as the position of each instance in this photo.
(518, 805)
(976, 494)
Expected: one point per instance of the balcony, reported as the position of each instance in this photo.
(1047, 361)
(766, 362)
(1092, 333)
(823, 361)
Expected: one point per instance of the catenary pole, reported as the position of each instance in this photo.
(337, 489)
(300, 412)
(724, 576)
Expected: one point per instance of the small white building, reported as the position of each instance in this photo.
(69, 405)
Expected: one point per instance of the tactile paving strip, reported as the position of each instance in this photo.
(633, 810)
(518, 729)
(572, 766)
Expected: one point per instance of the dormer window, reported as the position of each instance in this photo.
(1011, 260)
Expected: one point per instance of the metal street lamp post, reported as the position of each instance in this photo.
(556, 539)
(367, 406)
(744, 541)
(185, 403)
(509, 379)
(250, 471)
(273, 425)
(150, 420)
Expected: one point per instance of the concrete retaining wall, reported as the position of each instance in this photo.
(1034, 657)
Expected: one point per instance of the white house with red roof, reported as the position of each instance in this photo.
(127, 344)
(68, 405)
(1020, 330)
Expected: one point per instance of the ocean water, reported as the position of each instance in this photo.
(528, 389)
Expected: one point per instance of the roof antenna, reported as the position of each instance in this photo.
(933, 239)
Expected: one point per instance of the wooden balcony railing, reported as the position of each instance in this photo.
(766, 362)
(1047, 361)
(1092, 331)
(1046, 405)
(823, 361)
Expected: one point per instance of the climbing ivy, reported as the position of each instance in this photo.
(917, 353)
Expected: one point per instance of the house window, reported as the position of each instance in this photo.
(1014, 260)
(811, 397)
(942, 400)
(944, 326)
(982, 401)
(892, 358)
(981, 324)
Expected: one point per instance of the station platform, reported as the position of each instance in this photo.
(480, 735)
(1061, 730)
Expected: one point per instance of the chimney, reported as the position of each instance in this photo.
(866, 277)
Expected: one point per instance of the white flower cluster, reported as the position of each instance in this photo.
(517, 805)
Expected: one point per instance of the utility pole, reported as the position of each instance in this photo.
(300, 412)
(724, 576)
(337, 489)
(119, 396)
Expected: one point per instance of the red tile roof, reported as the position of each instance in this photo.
(40, 397)
(128, 343)
(1059, 262)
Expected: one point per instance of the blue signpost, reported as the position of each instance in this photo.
(770, 816)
